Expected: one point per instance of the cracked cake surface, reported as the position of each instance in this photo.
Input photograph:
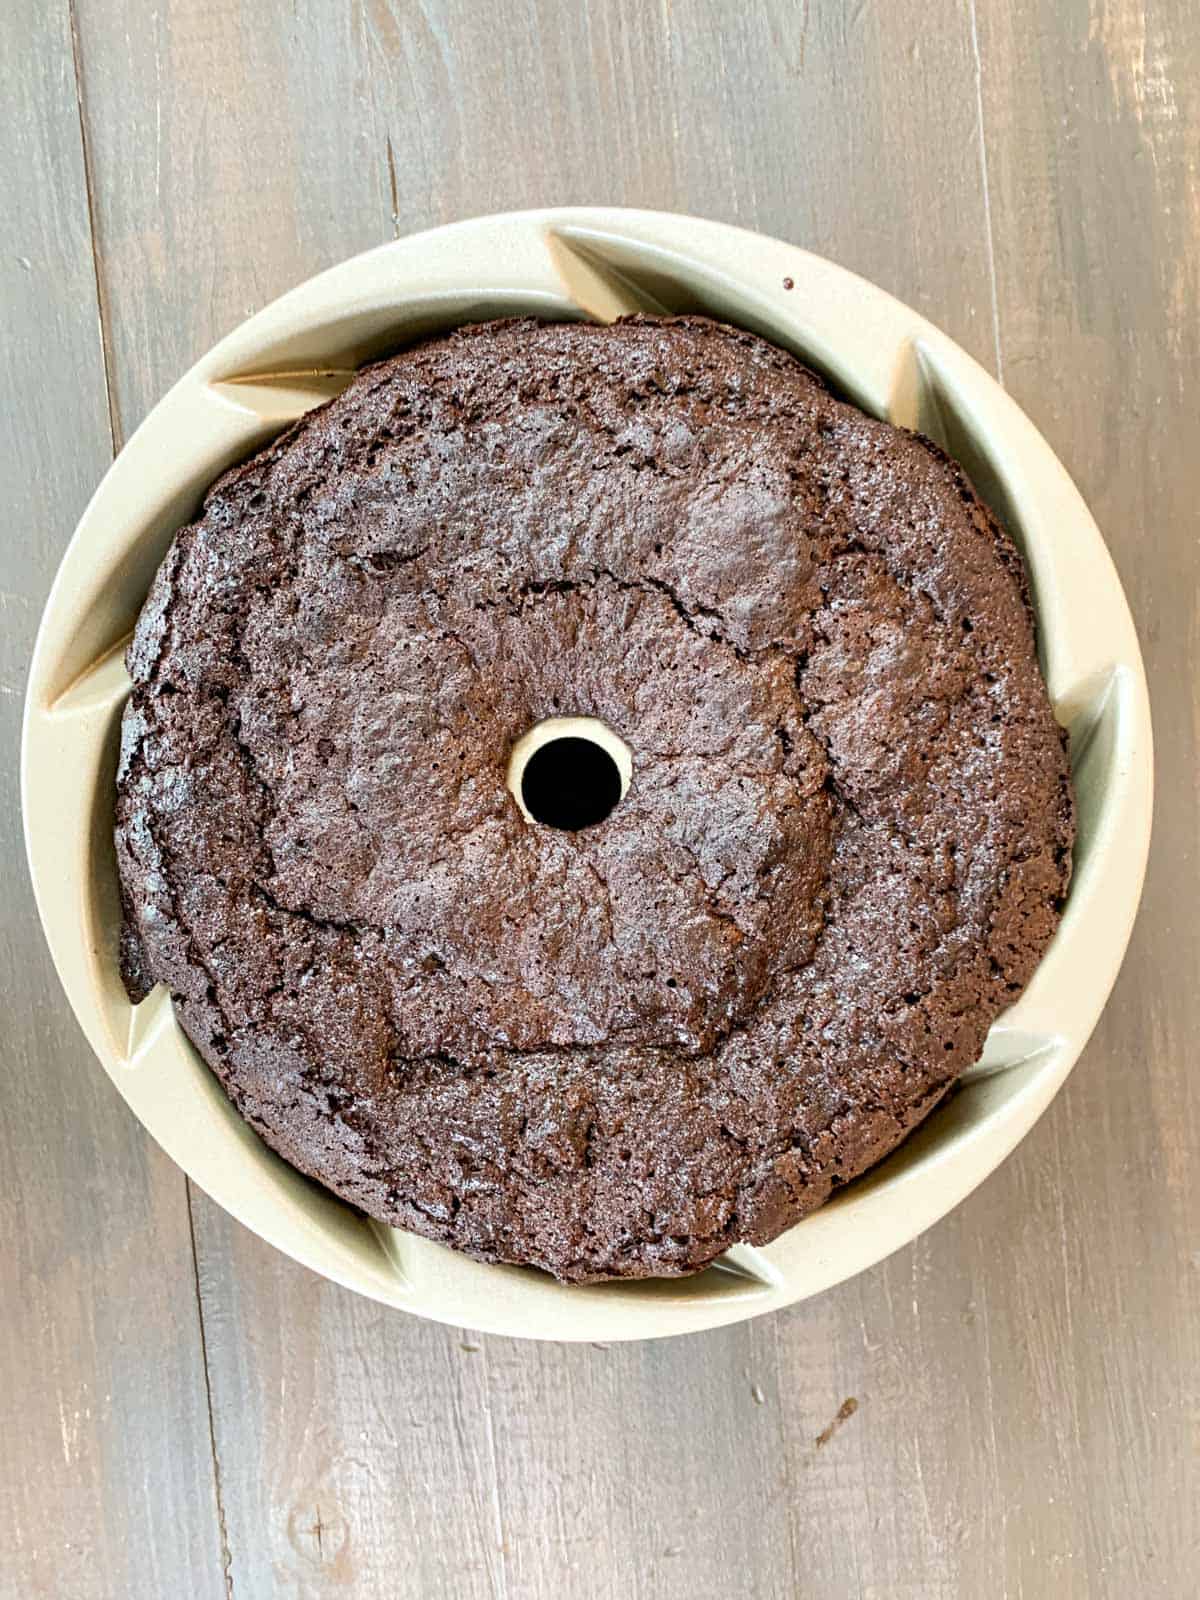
(612, 1052)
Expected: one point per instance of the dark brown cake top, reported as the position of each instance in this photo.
(618, 1050)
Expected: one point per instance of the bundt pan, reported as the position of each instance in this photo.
(595, 264)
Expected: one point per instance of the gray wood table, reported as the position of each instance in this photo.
(1011, 1406)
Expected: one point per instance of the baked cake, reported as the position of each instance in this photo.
(614, 1050)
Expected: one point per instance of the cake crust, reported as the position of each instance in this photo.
(615, 1052)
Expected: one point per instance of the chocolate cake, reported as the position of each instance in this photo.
(612, 1049)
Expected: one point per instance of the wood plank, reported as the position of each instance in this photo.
(107, 1484)
(1093, 119)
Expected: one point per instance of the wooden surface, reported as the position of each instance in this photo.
(187, 1413)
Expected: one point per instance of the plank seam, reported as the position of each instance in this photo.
(102, 317)
(393, 187)
(786, 1464)
(218, 1494)
(977, 63)
(497, 1508)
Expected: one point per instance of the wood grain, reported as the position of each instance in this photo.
(1024, 1377)
(107, 1471)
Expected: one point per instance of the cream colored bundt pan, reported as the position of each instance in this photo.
(597, 264)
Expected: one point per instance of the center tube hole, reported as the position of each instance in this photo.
(570, 783)
(569, 772)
